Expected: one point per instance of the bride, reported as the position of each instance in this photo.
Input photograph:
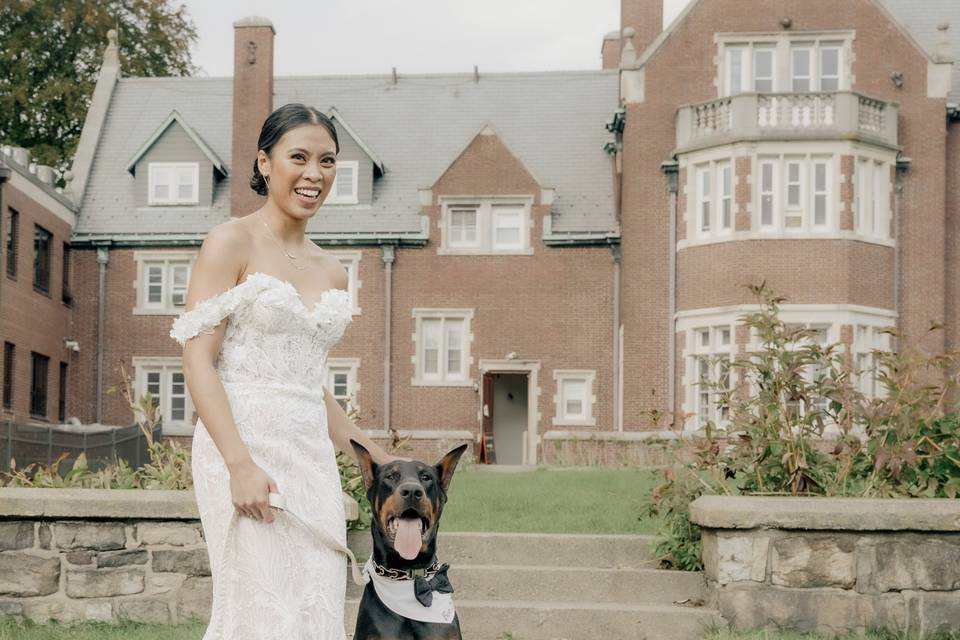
(265, 306)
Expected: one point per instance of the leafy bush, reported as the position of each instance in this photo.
(798, 425)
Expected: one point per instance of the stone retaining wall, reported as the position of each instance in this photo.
(86, 554)
(833, 565)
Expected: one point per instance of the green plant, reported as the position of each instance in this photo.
(799, 425)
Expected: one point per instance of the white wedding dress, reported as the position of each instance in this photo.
(273, 581)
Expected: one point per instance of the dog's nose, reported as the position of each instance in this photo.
(409, 490)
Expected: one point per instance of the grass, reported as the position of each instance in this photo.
(545, 500)
(11, 629)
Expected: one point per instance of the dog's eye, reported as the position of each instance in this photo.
(393, 477)
(425, 477)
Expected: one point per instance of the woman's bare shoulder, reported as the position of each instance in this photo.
(227, 247)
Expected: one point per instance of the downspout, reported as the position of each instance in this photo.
(4, 176)
(617, 389)
(388, 258)
(902, 164)
(671, 169)
(103, 258)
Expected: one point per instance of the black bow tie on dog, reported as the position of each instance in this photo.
(423, 588)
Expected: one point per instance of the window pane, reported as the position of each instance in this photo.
(734, 71)
(454, 347)
(155, 284)
(185, 184)
(431, 345)
(829, 68)
(704, 174)
(763, 70)
(343, 183)
(507, 224)
(340, 384)
(800, 61)
(574, 395)
(766, 193)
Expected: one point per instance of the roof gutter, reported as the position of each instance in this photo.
(411, 239)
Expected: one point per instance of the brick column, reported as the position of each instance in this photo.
(252, 103)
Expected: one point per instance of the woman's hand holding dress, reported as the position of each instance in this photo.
(250, 487)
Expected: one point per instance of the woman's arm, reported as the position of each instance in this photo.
(217, 268)
(342, 430)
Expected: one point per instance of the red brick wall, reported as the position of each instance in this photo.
(252, 103)
(32, 320)
(690, 53)
(953, 237)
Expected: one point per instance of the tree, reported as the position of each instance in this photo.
(50, 55)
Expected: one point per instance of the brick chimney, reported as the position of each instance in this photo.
(252, 103)
(646, 17)
(610, 51)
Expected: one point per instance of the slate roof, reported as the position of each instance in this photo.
(922, 18)
(553, 121)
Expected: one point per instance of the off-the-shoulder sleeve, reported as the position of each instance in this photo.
(206, 315)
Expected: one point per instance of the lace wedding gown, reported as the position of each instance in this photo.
(273, 581)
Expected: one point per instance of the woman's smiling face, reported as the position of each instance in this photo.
(300, 169)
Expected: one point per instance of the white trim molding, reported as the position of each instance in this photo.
(480, 238)
(351, 368)
(442, 377)
(566, 380)
(351, 262)
(166, 367)
(170, 270)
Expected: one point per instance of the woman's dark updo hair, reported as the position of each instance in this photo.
(289, 116)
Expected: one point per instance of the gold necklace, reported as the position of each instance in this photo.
(290, 256)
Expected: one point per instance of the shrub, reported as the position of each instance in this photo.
(798, 425)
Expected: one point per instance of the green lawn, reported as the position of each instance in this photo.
(13, 630)
(570, 500)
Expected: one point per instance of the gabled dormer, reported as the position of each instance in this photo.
(175, 167)
(357, 166)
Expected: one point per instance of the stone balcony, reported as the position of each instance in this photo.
(841, 115)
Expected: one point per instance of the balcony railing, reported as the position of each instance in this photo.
(753, 116)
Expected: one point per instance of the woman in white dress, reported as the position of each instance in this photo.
(265, 306)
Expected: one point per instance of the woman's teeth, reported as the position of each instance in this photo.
(308, 193)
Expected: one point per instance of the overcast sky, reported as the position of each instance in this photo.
(416, 36)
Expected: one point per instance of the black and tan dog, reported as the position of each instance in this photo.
(408, 596)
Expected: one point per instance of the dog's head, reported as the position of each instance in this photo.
(406, 499)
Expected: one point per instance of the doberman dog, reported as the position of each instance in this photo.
(408, 596)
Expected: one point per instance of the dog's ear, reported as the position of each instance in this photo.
(368, 468)
(447, 465)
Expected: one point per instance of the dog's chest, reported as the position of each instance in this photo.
(399, 597)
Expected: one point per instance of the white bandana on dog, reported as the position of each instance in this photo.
(399, 597)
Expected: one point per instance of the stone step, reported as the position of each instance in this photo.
(524, 620)
(562, 584)
(533, 549)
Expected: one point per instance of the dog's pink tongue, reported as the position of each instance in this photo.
(407, 542)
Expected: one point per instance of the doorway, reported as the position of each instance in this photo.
(508, 411)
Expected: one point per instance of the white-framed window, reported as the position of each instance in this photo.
(162, 279)
(342, 381)
(735, 68)
(485, 226)
(827, 323)
(173, 183)
(463, 226)
(767, 194)
(867, 341)
(442, 338)
(725, 190)
(806, 200)
(872, 203)
(817, 333)
(763, 69)
(345, 187)
(351, 262)
(831, 63)
(713, 211)
(801, 68)
(163, 379)
(704, 199)
(795, 62)
(710, 357)
(574, 397)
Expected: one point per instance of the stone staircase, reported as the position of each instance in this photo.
(515, 586)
